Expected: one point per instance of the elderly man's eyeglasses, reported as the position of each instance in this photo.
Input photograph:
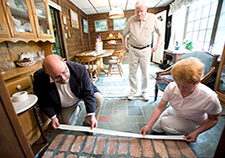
(63, 74)
(140, 11)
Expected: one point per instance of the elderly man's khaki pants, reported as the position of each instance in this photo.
(139, 57)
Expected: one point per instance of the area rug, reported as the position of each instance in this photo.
(74, 146)
(115, 86)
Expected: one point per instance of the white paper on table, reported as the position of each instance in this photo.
(119, 133)
(94, 53)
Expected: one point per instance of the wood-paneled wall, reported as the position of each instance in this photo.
(92, 18)
(78, 41)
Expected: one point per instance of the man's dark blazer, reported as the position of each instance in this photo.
(48, 97)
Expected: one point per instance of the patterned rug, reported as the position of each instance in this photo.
(116, 86)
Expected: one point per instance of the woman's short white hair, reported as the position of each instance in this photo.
(139, 2)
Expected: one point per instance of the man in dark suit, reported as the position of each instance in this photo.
(60, 85)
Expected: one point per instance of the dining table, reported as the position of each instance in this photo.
(99, 57)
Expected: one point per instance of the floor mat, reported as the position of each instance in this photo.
(104, 146)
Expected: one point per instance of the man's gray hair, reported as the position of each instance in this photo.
(140, 2)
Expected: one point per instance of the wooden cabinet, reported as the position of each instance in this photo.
(20, 79)
(13, 141)
(219, 87)
(27, 20)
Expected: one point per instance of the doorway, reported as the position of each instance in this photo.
(58, 46)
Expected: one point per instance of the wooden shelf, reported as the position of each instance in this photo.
(20, 70)
(112, 39)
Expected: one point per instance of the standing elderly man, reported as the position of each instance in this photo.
(140, 28)
(60, 85)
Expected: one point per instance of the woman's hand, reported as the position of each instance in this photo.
(192, 137)
(145, 130)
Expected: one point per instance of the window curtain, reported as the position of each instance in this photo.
(177, 28)
(178, 10)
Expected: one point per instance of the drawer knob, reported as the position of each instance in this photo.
(18, 87)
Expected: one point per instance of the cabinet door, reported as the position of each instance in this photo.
(20, 18)
(42, 19)
(4, 32)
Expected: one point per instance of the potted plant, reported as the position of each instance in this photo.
(188, 44)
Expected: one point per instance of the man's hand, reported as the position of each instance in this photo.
(154, 48)
(93, 122)
(192, 137)
(145, 130)
(126, 49)
(55, 122)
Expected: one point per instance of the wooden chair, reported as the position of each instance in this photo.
(163, 78)
(116, 61)
(88, 62)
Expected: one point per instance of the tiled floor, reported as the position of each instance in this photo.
(131, 116)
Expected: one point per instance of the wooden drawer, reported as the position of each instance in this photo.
(21, 83)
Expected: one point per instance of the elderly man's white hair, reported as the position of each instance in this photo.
(139, 2)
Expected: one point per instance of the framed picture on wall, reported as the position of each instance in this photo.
(119, 24)
(74, 19)
(85, 24)
(101, 25)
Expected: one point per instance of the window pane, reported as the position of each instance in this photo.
(191, 16)
(204, 23)
(213, 8)
(205, 12)
(211, 22)
(196, 25)
(206, 2)
(189, 26)
(198, 14)
(195, 35)
(208, 35)
(199, 45)
(206, 46)
(201, 35)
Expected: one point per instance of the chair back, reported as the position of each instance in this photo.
(89, 61)
(119, 55)
(209, 60)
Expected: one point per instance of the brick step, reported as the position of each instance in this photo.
(71, 146)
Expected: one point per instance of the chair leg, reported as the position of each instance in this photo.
(120, 70)
(96, 73)
(109, 70)
(156, 91)
(90, 73)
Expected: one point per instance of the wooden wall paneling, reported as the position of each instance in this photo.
(77, 42)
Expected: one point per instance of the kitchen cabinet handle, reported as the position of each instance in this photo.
(18, 87)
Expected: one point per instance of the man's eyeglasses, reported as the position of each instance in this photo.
(140, 11)
(63, 74)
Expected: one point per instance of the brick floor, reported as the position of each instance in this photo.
(72, 146)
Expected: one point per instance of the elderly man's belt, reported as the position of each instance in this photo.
(140, 47)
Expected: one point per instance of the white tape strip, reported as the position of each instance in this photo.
(118, 133)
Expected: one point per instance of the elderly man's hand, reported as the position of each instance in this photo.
(154, 48)
(126, 49)
(93, 122)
